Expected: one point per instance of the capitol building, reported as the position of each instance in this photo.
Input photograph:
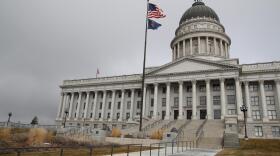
(201, 82)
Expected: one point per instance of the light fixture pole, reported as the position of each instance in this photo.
(244, 109)
(9, 118)
(66, 114)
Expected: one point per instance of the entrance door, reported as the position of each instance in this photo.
(217, 114)
(189, 114)
(176, 114)
(162, 115)
(203, 114)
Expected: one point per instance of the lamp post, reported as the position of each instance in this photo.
(244, 109)
(66, 114)
(9, 118)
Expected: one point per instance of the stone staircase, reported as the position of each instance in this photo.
(213, 132)
(190, 131)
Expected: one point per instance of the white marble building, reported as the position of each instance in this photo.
(200, 82)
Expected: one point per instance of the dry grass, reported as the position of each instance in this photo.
(254, 147)
(36, 136)
(158, 134)
(116, 132)
(5, 134)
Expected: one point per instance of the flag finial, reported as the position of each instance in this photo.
(197, 0)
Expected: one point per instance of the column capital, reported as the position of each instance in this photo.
(167, 83)
(132, 89)
(193, 81)
(236, 78)
(180, 82)
(246, 83)
(261, 81)
(155, 84)
(222, 79)
(207, 80)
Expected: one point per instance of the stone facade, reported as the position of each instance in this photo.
(201, 82)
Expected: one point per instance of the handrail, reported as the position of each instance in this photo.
(180, 130)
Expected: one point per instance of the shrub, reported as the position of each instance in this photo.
(20, 137)
(128, 136)
(36, 136)
(158, 134)
(116, 132)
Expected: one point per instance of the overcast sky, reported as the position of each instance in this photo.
(43, 42)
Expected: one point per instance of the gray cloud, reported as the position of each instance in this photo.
(44, 42)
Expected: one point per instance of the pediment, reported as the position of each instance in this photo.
(187, 65)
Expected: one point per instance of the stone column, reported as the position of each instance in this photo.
(208, 100)
(131, 105)
(79, 104)
(199, 45)
(263, 98)
(215, 46)
(184, 48)
(58, 116)
(71, 105)
(207, 46)
(167, 116)
(178, 50)
(221, 48)
(112, 105)
(64, 104)
(238, 97)
(94, 105)
(247, 97)
(277, 83)
(181, 100)
(103, 116)
(223, 98)
(87, 103)
(191, 48)
(144, 101)
(226, 48)
(122, 105)
(155, 101)
(194, 114)
(173, 53)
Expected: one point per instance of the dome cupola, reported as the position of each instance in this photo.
(200, 34)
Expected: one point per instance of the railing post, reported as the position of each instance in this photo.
(150, 149)
(177, 143)
(182, 144)
(127, 150)
(158, 148)
(90, 151)
(18, 153)
(112, 150)
(165, 149)
(141, 150)
(172, 147)
(61, 152)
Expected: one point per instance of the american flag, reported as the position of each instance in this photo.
(155, 12)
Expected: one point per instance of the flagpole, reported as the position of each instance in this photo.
(144, 66)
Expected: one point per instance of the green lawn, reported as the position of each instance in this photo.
(254, 147)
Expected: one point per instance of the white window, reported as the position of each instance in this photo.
(202, 88)
(253, 88)
(202, 100)
(254, 100)
(230, 86)
(163, 102)
(232, 112)
(109, 105)
(216, 100)
(275, 131)
(176, 101)
(189, 101)
(270, 100)
(256, 114)
(258, 131)
(231, 99)
(268, 87)
(216, 87)
(272, 114)
(128, 105)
